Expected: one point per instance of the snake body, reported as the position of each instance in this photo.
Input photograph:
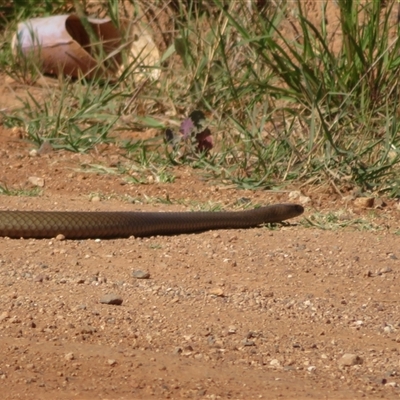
(83, 225)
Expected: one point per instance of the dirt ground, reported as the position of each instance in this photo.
(289, 312)
(243, 314)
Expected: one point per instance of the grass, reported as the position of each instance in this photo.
(33, 192)
(191, 204)
(281, 108)
(337, 220)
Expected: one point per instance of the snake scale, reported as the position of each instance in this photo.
(110, 224)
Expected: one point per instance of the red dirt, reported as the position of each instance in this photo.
(228, 314)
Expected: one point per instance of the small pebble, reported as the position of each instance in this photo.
(217, 292)
(36, 181)
(364, 202)
(384, 270)
(177, 350)
(347, 360)
(388, 329)
(139, 274)
(4, 315)
(232, 329)
(111, 299)
(86, 330)
(38, 278)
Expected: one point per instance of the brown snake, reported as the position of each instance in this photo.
(84, 225)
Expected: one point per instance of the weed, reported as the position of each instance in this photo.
(6, 191)
(337, 220)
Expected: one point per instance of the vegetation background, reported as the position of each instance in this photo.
(283, 101)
